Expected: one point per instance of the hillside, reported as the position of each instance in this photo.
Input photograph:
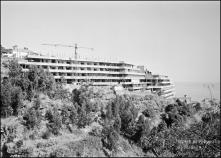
(42, 118)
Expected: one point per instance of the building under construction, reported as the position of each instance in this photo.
(98, 73)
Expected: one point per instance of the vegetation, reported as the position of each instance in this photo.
(54, 121)
(163, 129)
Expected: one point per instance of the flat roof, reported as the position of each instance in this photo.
(79, 59)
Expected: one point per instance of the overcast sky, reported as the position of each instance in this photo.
(179, 39)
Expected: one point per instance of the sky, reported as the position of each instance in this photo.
(179, 39)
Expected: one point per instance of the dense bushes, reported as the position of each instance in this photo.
(33, 116)
(54, 121)
(83, 100)
(16, 100)
(119, 118)
(58, 92)
(11, 99)
(121, 115)
(201, 139)
(85, 97)
(83, 117)
(168, 135)
(178, 140)
(73, 115)
(110, 137)
(23, 85)
(6, 109)
(122, 111)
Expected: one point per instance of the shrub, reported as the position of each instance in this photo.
(16, 99)
(30, 92)
(172, 118)
(171, 108)
(6, 109)
(109, 112)
(117, 124)
(33, 135)
(83, 118)
(59, 92)
(19, 143)
(26, 152)
(32, 118)
(122, 112)
(149, 112)
(65, 114)
(180, 141)
(109, 137)
(198, 107)
(46, 134)
(141, 128)
(15, 72)
(85, 104)
(9, 133)
(84, 96)
(73, 115)
(96, 131)
(55, 121)
(76, 96)
(184, 110)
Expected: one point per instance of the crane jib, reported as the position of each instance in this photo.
(63, 45)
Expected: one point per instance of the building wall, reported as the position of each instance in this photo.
(77, 71)
(101, 73)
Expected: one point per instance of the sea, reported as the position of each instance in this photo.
(197, 91)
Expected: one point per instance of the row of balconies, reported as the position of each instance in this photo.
(169, 86)
(87, 74)
(92, 71)
(77, 65)
(62, 61)
(82, 61)
(91, 77)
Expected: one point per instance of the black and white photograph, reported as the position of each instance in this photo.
(110, 79)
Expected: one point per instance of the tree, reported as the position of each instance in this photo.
(16, 99)
(84, 96)
(24, 83)
(33, 77)
(6, 109)
(15, 69)
(32, 118)
(65, 114)
(109, 137)
(55, 121)
(123, 113)
(15, 72)
(75, 96)
(109, 114)
(73, 115)
(117, 124)
(83, 118)
(50, 81)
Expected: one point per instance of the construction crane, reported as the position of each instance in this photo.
(75, 46)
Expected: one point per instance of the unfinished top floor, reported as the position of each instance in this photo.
(45, 59)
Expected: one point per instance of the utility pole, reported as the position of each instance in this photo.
(75, 51)
(210, 91)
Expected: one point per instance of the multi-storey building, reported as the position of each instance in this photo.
(100, 73)
(162, 84)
